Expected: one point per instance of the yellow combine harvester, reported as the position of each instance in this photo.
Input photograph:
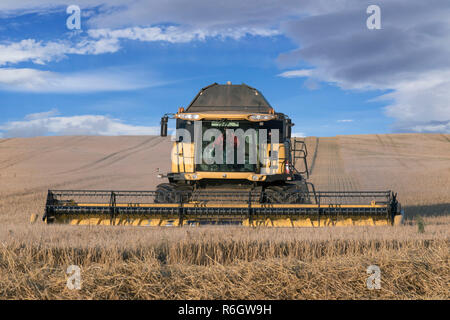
(233, 162)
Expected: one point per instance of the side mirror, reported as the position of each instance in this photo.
(289, 126)
(164, 124)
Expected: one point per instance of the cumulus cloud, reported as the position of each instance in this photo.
(409, 56)
(101, 41)
(41, 53)
(45, 124)
(425, 99)
(206, 15)
(197, 14)
(30, 50)
(32, 80)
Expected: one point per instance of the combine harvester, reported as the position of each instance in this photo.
(252, 182)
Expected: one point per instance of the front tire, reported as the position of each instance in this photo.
(172, 193)
(288, 194)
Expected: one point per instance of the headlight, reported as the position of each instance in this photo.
(188, 116)
(193, 176)
(263, 117)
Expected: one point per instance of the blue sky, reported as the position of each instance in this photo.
(133, 61)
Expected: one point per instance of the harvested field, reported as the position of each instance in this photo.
(416, 166)
(224, 262)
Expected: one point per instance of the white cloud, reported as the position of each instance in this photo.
(206, 15)
(101, 46)
(74, 125)
(30, 50)
(101, 41)
(421, 104)
(430, 127)
(174, 34)
(331, 36)
(409, 56)
(345, 120)
(42, 115)
(39, 52)
(14, 7)
(310, 83)
(131, 19)
(296, 73)
(32, 80)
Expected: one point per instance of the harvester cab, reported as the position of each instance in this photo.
(229, 135)
(233, 161)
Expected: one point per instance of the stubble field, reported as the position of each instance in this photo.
(224, 262)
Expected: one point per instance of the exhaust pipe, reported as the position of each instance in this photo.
(164, 125)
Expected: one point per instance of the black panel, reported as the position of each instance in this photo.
(236, 98)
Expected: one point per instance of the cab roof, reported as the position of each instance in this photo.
(229, 98)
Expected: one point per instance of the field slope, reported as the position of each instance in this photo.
(224, 262)
(416, 166)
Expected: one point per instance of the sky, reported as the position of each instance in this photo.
(132, 61)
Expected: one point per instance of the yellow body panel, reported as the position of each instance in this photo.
(33, 218)
(255, 223)
(182, 157)
(122, 220)
(221, 116)
(224, 175)
(267, 221)
(183, 162)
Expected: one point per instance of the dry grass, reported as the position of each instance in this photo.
(227, 262)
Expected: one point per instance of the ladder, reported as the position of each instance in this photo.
(299, 153)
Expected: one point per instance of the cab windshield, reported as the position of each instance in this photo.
(237, 150)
